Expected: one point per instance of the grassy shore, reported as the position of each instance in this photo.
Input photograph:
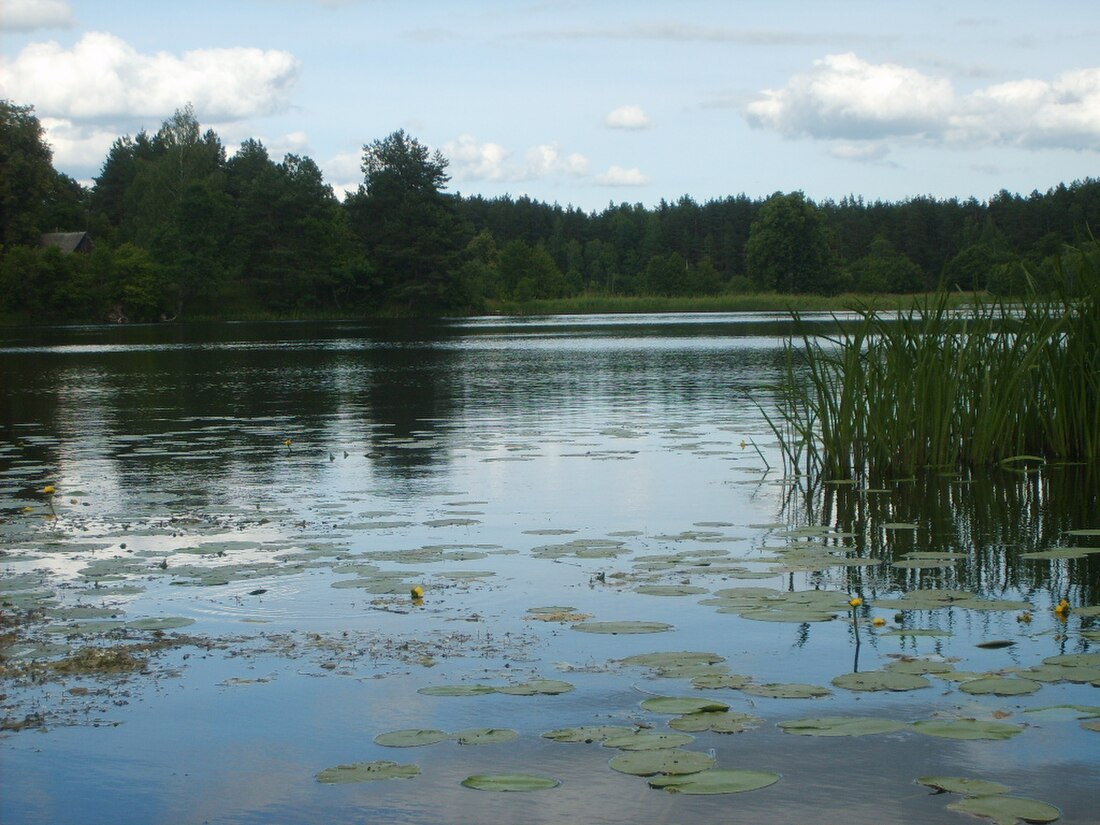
(730, 302)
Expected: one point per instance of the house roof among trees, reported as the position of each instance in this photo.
(68, 242)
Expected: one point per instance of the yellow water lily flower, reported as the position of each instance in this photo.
(879, 621)
(417, 592)
(855, 601)
(48, 490)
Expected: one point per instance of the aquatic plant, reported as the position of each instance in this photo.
(1015, 384)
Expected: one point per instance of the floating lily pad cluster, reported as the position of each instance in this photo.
(991, 800)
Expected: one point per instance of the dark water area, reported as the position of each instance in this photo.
(244, 509)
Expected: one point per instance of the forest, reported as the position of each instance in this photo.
(178, 228)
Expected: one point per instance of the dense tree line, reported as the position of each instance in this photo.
(181, 228)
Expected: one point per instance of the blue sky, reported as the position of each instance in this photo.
(587, 103)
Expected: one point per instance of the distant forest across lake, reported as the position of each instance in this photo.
(174, 227)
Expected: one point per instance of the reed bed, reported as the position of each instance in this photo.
(935, 386)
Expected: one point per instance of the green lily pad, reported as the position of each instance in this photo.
(616, 628)
(1074, 660)
(966, 729)
(1065, 712)
(787, 690)
(841, 726)
(666, 760)
(919, 666)
(716, 781)
(538, 686)
(457, 690)
(587, 733)
(366, 772)
(717, 721)
(999, 686)
(963, 785)
(682, 704)
(669, 590)
(484, 736)
(1061, 553)
(163, 623)
(410, 737)
(510, 782)
(1007, 810)
(881, 680)
(645, 740)
(716, 681)
(671, 659)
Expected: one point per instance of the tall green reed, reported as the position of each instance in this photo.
(936, 386)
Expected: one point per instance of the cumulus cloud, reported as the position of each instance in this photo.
(619, 176)
(847, 99)
(547, 159)
(471, 159)
(628, 117)
(29, 15)
(103, 77)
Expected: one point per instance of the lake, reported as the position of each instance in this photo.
(211, 535)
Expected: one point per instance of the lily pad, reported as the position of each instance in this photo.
(966, 729)
(1000, 686)
(587, 733)
(616, 628)
(456, 690)
(163, 623)
(881, 680)
(510, 782)
(963, 785)
(1065, 712)
(645, 740)
(666, 760)
(535, 687)
(682, 704)
(717, 721)
(716, 681)
(672, 659)
(716, 781)
(669, 590)
(841, 726)
(366, 772)
(1007, 810)
(410, 737)
(787, 690)
(484, 736)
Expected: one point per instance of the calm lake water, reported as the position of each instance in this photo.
(537, 478)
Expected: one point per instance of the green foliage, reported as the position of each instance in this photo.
(788, 247)
(938, 388)
(410, 229)
(31, 193)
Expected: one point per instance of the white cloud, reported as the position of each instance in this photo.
(848, 99)
(618, 176)
(471, 159)
(860, 150)
(546, 159)
(29, 15)
(78, 145)
(628, 117)
(103, 77)
(845, 97)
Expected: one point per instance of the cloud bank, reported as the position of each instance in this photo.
(848, 99)
(474, 160)
(104, 77)
(31, 15)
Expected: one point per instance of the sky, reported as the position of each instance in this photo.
(589, 103)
